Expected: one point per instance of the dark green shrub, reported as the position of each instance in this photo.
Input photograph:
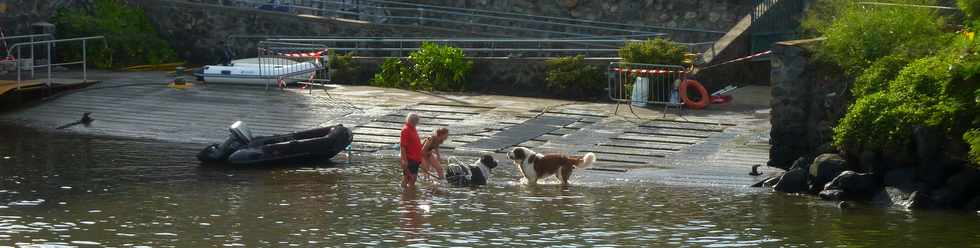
(432, 67)
(936, 91)
(862, 34)
(876, 77)
(393, 74)
(572, 77)
(653, 51)
(131, 38)
(343, 68)
(910, 72)
(438, 67)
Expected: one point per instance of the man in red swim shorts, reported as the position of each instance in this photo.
(411, 151)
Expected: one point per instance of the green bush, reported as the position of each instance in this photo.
(438, 67)
(131, 38)
(433, 67)
(343, 68)
(393, 74)
(910, 72)
(653, 51)
(936, 91)
(862, 34)
(876, 77)
(572, 77)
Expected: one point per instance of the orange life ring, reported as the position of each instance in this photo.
(700, 104)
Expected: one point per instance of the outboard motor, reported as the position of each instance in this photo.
(239, 137)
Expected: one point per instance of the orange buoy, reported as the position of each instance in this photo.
(701, 103)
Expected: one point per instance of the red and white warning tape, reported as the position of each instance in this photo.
(643, 71)
(315, 54)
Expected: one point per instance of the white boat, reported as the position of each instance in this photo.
(264, 71)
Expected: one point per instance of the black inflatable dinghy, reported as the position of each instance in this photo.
(242, 148)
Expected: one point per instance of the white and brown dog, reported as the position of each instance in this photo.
(534, 166)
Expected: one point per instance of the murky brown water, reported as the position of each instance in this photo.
(91, 191)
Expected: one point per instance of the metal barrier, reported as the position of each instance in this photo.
(642, 84)
(9, 58)
(282, 63)
(49, 44)
(400, 47)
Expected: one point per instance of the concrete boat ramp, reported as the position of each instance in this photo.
(700, 147)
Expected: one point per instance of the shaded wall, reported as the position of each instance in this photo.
(717, 15)
(196, 30)
(808, 98)
(16, 16)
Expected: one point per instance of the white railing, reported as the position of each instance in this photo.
(16, 50)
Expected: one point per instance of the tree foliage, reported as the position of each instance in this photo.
(438, 67)
(432, 67)
(911, 71)
(130, 38)
(862, 34)
(573, 77)
(653, 51)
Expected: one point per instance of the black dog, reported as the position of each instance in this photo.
(478, 173)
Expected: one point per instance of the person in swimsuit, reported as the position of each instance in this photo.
(411, 151)
(431, 155)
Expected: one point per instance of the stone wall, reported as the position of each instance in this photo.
(808, 98)
(196, 30)
(16, 16)
(716, 15)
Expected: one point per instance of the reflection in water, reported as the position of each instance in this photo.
(412, 218)
(79, 191)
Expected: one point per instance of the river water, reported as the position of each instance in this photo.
(61, 189)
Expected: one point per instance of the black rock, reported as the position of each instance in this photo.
(767, 182)
(936, 173)
(964, 182)
(852, 186)
(973, 204)
(944, 198)
(772, 181)
(928, 142)
(899, 177)
(824, 169)
(800, 163)
(919, 200)
(793, 181)
(867, 160)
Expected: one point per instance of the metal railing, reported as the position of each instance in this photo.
(28, 38)
(48, 45)
(774, 21)
(390, 12)
(641, 84)
(401, 47)
(9, 58)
